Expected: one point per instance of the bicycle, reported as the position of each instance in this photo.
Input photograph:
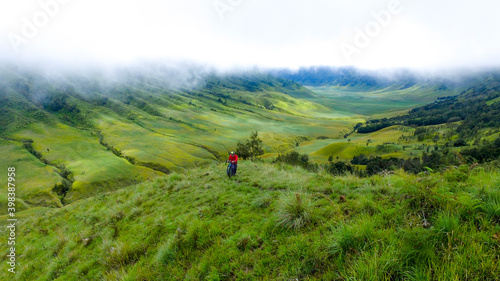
(230, 170)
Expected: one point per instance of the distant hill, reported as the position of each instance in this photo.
(371, 79)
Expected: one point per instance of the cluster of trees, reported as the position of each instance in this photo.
(472, 107)
(296, 159)
(435, 160)
(373, 125)
(58, 102)
(488, 151)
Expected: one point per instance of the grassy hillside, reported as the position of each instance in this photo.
(98, 130)
(271, 223)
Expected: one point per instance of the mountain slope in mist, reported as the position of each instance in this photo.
(95, 130)
(372, 80)
(77, 133)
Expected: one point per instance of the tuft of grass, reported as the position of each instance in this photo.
(492, 208)
(263, 201)
(416, 247)
(167, 252)
(446, 228)
(294, 210)
(349, 239)
(119, 254)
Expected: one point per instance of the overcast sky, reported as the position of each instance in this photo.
(420, 34)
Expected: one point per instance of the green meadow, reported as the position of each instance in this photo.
(384, 102)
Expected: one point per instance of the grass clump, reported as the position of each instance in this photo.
(263, 201)
(294, 210)
(351, 239)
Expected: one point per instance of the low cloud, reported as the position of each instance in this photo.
(228, 33)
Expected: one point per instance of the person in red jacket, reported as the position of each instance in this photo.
(233, 159)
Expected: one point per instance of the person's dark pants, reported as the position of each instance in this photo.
(235, 167)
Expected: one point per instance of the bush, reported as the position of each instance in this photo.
(294, 158)
(339, 168)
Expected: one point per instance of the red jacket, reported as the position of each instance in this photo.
(233, 158)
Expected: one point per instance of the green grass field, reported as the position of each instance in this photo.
(34, 179)
(381, 102)
(137, 129)
(271, 223)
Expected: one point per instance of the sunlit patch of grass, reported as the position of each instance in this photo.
(36, 178)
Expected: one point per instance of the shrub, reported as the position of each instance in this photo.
(339, 168)
(296, 159)
(251, 148)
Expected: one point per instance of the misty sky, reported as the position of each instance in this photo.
(420, 34)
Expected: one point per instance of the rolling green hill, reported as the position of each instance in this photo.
(95, 130)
